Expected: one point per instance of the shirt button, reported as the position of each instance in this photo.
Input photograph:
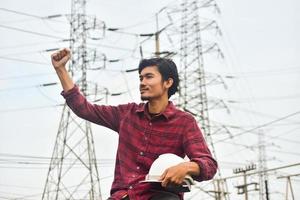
(141, 153)
(133, 175)
(138, 167)
(150, 123)
(146, 138)
(130, 187)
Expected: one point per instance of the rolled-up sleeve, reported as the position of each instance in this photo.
(197, 150)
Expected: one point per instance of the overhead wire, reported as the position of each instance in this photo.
(27, 76)
(260, 126)
(269, 136)
(24, 60)
(252, 147)
(31, 32)
(29, 108)
(274, 71)
(20, 13)
(277, 137)
(28, 161)
(26, 45)
(284, 152)
(266, 98)
(50, 17)
(259, 113)
(25, 197)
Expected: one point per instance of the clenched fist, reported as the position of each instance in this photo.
(60, 58)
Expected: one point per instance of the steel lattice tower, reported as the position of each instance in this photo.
(193, 87)
(262, 165)
(192, 90)
(73, 172)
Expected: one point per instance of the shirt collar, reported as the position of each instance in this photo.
(169, 111)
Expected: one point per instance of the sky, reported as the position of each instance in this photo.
(260, 91)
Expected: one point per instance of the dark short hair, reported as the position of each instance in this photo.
(166, 67)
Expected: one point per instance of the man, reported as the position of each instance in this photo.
(146, 130)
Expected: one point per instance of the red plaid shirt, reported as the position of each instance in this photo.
(142, 139)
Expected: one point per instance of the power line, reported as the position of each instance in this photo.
(284, 139)
(113, 47)
(278, 71)
(252, 147)
(26, 87)
(29, 52)
(26, 76)
(25, 197)
(29, 108)
(272, 137)
(285, 152)
(258, 113)
(31, 32)
(50, 17)
(267, 170)
(46, 106)
(48, 84)
(25, 61)
(245, 126)
(270, 98)
(20, 13)
(33, 157)
(260, 126)
(30, 44)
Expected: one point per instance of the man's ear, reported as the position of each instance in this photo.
(169, 83)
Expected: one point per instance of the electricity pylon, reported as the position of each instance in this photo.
(193, 87)
(73, 171)
(262, 166)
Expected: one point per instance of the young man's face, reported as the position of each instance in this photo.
(151, 84)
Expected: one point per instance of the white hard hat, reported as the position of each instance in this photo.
(158, 167)
(163, 162)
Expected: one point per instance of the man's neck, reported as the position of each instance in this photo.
(157, 106)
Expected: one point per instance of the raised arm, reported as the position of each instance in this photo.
(59, 60)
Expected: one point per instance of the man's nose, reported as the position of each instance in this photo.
(142, 85)
(142, 81)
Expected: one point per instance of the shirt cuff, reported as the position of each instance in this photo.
(69, 93)
(207, 172)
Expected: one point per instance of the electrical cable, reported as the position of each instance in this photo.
(25, 61)
(260, 126)
(31, 32)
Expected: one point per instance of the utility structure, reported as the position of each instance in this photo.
(262, 167)
(193, 84)
(244, 188)
(73, 171)
(289, 186)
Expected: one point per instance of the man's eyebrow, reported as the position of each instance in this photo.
(149, 73)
